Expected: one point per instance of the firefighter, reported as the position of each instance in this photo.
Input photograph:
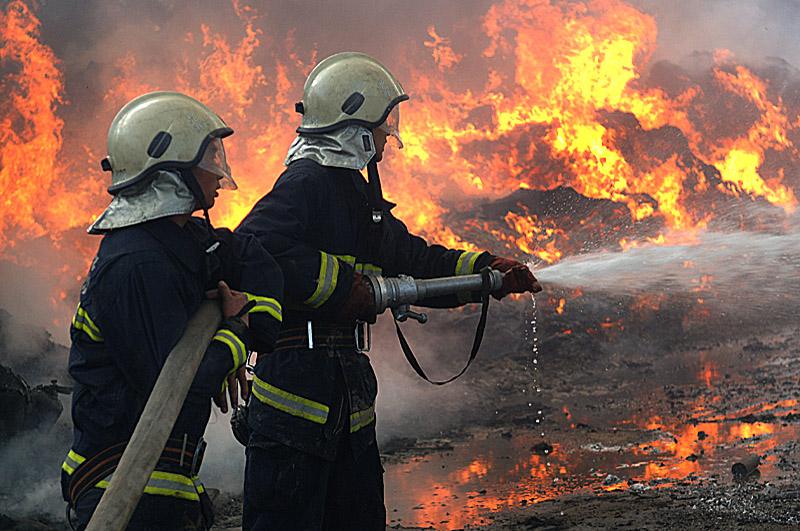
(155, 265)
(312, 457)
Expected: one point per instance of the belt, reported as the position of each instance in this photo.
(181, 455)
(356, 336)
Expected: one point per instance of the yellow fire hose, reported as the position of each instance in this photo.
(157, 420)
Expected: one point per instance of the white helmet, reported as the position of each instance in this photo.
(153, 143)
(349, 88)
(164, 130)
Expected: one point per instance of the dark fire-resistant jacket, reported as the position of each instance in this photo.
(317, 224)
(145, 283)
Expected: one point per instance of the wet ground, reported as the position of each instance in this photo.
(626, 438)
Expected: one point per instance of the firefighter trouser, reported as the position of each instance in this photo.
(285, 488)
(156, 513)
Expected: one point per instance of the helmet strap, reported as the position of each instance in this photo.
(375, 193)
(191, 181)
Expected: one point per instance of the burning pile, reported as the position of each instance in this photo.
(550, 135)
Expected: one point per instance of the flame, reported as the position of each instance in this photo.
(739, 160)
(557, 96)
(37, 200)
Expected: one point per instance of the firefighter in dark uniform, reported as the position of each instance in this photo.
(312, 457)
(152, 271)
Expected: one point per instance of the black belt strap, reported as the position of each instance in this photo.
(184, 457)
(476, 343)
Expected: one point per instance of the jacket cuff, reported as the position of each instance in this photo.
(234, 334)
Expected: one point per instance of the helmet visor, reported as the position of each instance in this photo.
(391, 126)
(215, 161)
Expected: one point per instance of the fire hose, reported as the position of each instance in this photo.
(166, 400)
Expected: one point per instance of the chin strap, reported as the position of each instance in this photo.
(375, 193)
(191, 181)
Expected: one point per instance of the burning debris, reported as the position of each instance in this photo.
(28, 351)
(23, 408)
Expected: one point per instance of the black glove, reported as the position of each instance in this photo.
(360, 302)
(517, 278)
(239, 426)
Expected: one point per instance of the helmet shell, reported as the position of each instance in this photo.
(345, 89)
(159, 130)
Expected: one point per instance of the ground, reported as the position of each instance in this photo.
(640, 425)
(626, 416)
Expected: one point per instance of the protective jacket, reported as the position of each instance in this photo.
(144, 285)
(317, 223)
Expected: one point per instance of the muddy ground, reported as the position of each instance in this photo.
(640, 427)
(642, 411)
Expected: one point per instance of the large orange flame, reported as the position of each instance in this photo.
(37, 201)
(554, 97)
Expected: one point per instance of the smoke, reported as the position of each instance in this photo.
(31, 465)
(751, 30)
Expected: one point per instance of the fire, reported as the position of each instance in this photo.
(37, 200)
(559, 95)
(531, 231)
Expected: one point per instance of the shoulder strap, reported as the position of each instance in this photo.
(476, 343)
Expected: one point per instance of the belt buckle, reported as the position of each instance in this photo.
(364, 338)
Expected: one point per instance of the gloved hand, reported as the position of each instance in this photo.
(517, 279)
(360, 303)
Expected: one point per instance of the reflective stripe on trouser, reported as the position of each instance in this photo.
(466, 263)
(362, 418)
(71, 462)
(266, 304)
(160, 483)
(326, 281)
(84, 323)
(289, 403)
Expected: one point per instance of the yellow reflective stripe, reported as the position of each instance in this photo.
(83, 322)
(466, 263)
(160, 483)
(72, 461)
(238, 350)
(164, 484)
(326, 282)
(169, 484)
(289, 402)
(361, 268)
(362, 418)
(266, 304)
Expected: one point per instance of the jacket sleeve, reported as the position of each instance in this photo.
(414, 257)
(259, 277)
(148, 317)
(282, 223)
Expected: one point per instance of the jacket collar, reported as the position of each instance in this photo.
(183, 243)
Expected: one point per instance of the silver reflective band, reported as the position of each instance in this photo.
(466, 263)
(289, 402)
(362, 418)
(326, 281)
